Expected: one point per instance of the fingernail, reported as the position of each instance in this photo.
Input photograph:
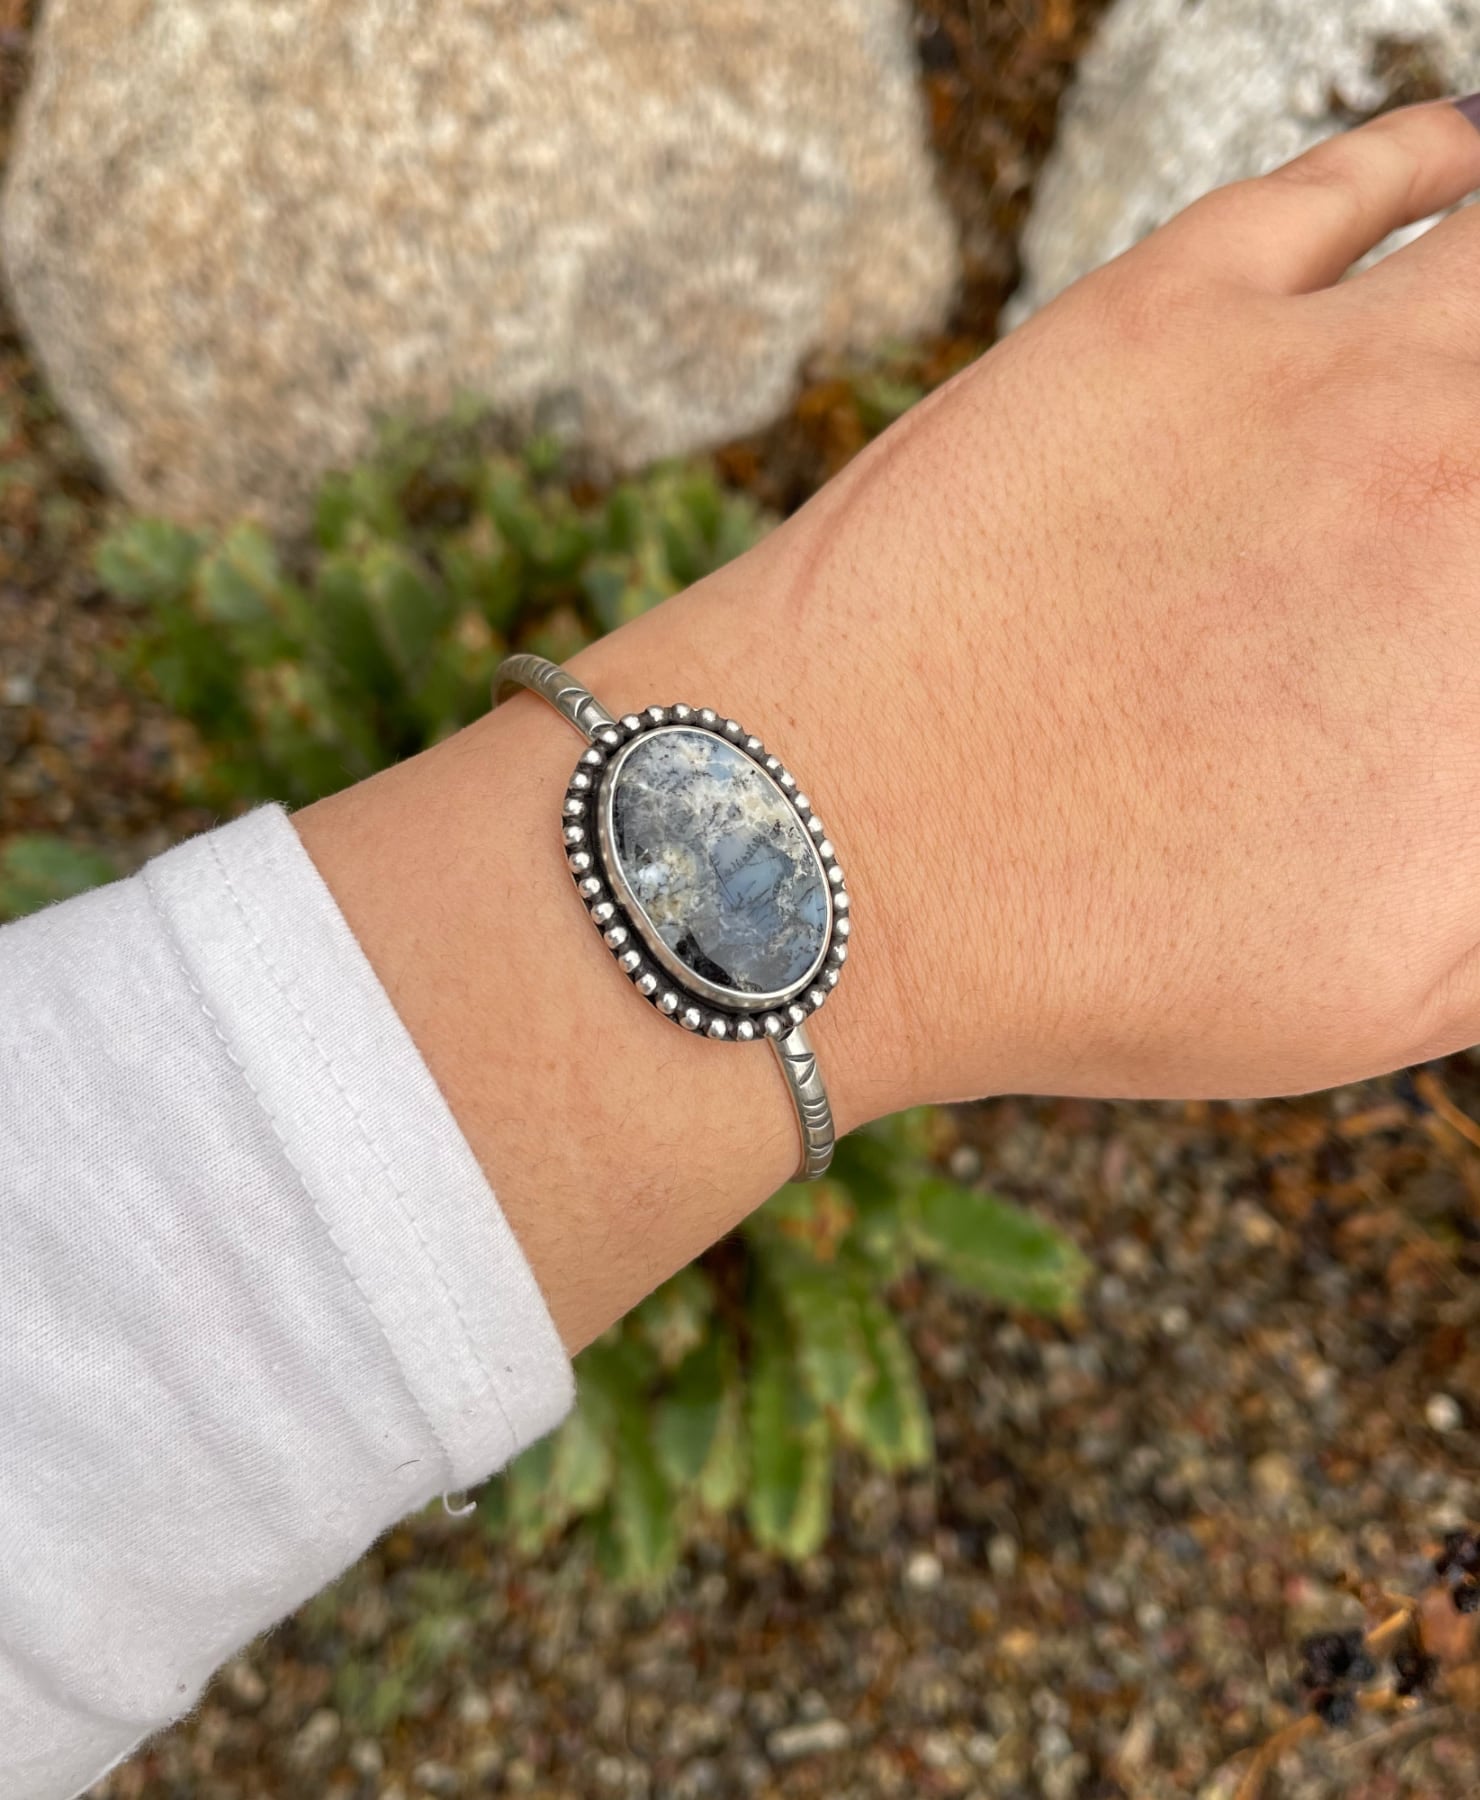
(1470, 107)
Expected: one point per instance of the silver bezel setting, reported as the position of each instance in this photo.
(674, 991)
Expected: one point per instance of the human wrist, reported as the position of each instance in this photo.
(619, 1147)
(848, 640)
(722, 645)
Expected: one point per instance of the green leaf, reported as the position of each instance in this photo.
(722, 1479)
(148, 560)
(334, 513)
(637, 1530)
(544, 455)
(997, 1249)
(813, 1217)
(36, 870)
(238, 581)
(644, 1516)
(614, 595)
(621, 1360)
(350, 638)
(196, 671)
(822, 1312)
(878, 1166)
(684, 550)
(306, 741)
(741, 525)
(790, 1500)
(360, 504)
(584, 1460)
(882, 399)
(688, 1418)
(557, 549)
(674, 1318)
(453, 690)
(622, 525)
(493, 1507)
(889, 1417)
(698, 1427)
(611, 1558)
(560, 635)
(372, 1701)
(510, 504)
(483, 572)
(534, 1513)
(411, 609)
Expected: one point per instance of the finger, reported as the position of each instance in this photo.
(1302, 226)
(1439, 271)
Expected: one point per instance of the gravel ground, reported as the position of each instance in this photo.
(1270, 1402)
(1271, 1398)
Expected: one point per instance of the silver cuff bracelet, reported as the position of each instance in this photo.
(708, 875)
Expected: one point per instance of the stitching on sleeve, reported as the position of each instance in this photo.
(177, 952)
(409, 1212)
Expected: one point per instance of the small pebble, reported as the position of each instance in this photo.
(1107, 1594)
(316, 1737)
(939, 1750)
(474, 1708)
(1442, 1413)
(437, 1778)
(820, 1738)
(366, 1757)
(1002, 1556)
(1259, 1230)
(1275, 1477)
(965, 1162)
(486, 1764)
(981, 1750)
(1054, 1745)
(243, 1683)
(923, 1572)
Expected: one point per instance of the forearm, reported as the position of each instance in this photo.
(618, 1146)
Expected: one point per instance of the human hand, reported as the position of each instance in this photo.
(1146, 659)
(1136, 674)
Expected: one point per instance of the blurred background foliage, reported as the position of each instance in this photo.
(427, 566)
(305, 668)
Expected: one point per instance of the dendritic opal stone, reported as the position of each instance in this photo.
(718, 863)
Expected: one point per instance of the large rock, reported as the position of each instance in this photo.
(239, 230)
(1178, 96)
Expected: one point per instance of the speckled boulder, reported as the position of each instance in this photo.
(239, 230)
(1175, 98)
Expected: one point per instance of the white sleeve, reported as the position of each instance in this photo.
(257, 1301)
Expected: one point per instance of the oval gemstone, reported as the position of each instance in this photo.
(724, 877)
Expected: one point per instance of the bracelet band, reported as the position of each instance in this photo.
(709, 876)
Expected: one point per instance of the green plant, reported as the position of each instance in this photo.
(738, 1382)
(427, 565)
(36, 869)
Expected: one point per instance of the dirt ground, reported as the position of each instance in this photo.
(1268, 1407)
(1268, 1403)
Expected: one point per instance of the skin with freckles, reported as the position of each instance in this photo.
(1136, 675)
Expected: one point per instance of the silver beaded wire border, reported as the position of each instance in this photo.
(583, 855)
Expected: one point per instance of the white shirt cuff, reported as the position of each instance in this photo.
(302, 1014)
